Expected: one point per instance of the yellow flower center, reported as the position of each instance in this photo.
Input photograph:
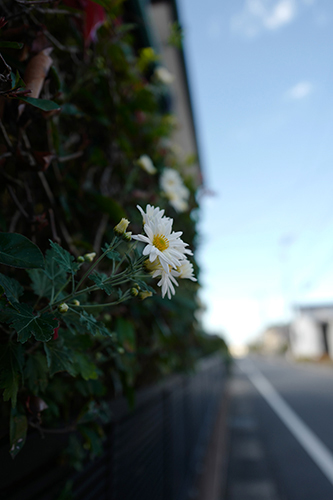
(160, 242)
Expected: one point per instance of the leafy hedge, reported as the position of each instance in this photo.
(86, 136)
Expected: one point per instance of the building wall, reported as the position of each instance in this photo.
(161, 15)
(306, 338)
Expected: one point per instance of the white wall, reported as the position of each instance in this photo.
(306, 338)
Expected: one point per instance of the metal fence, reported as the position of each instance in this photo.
(152, 453)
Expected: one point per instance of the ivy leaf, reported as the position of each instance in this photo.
(11, 362)
(40, 283)
(18, 432)
(100, 280)
(44, 104)
(4, 316)
(18, 251)
(86, 368)
(12, 288)
(93, 326)
(59, 358)
(24, 321)
(64, 258)
(52, 277)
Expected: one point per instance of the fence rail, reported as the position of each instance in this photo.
(152, 453)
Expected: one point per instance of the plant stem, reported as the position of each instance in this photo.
(113, 244)
(59, 291)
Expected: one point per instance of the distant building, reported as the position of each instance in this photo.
(311, 333)
(275, 339)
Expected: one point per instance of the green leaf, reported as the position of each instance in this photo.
(59, 358)
(65, 260)
(11, 45)
(18, 251)
(86, 368)
(56, 78)
(10, 384)
(108, 206)
(35, 373)
(40, 283)
(25, 323)
(11, 363)
(93, 411)
(103, 3)
(76, 341)
(93, 439)
(12, 288)
(100, 280)
(113, 254)
(43, 104)
(126, 334)
(72, 110)
(93, 326)
(52, 277)
(18, 432)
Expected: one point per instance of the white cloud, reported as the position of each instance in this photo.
(300, 90)
(282, 13)
(266, 15)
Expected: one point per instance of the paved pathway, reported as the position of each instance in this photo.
(249, 476)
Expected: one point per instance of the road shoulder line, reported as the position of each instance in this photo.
(319, 453)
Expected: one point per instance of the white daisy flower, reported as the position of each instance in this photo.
(167, 280)
(162, 242)
(146, 164)
(177, 202)
(185, 270)
(170, 180)
(163, 75)
(151, 214)
(174, 189)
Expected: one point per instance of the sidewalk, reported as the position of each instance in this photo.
(235, 466)
(248, 475)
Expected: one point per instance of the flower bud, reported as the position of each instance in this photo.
(120, 228)
(76, 302)
(134, 292)
(80, 258)
(127, 236)
(145, 295)
(89, 257)
(146, 164)
(63, 308)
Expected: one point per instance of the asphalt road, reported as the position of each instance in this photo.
(281, 431)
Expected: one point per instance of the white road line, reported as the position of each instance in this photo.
(319, 453)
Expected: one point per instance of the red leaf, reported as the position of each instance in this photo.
(95, 17)
(55, 332)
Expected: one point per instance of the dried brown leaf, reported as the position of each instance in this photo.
(36, 71)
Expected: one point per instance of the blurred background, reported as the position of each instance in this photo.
(235, 98)
(260, 72)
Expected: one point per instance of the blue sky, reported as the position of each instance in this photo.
(261, 78)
